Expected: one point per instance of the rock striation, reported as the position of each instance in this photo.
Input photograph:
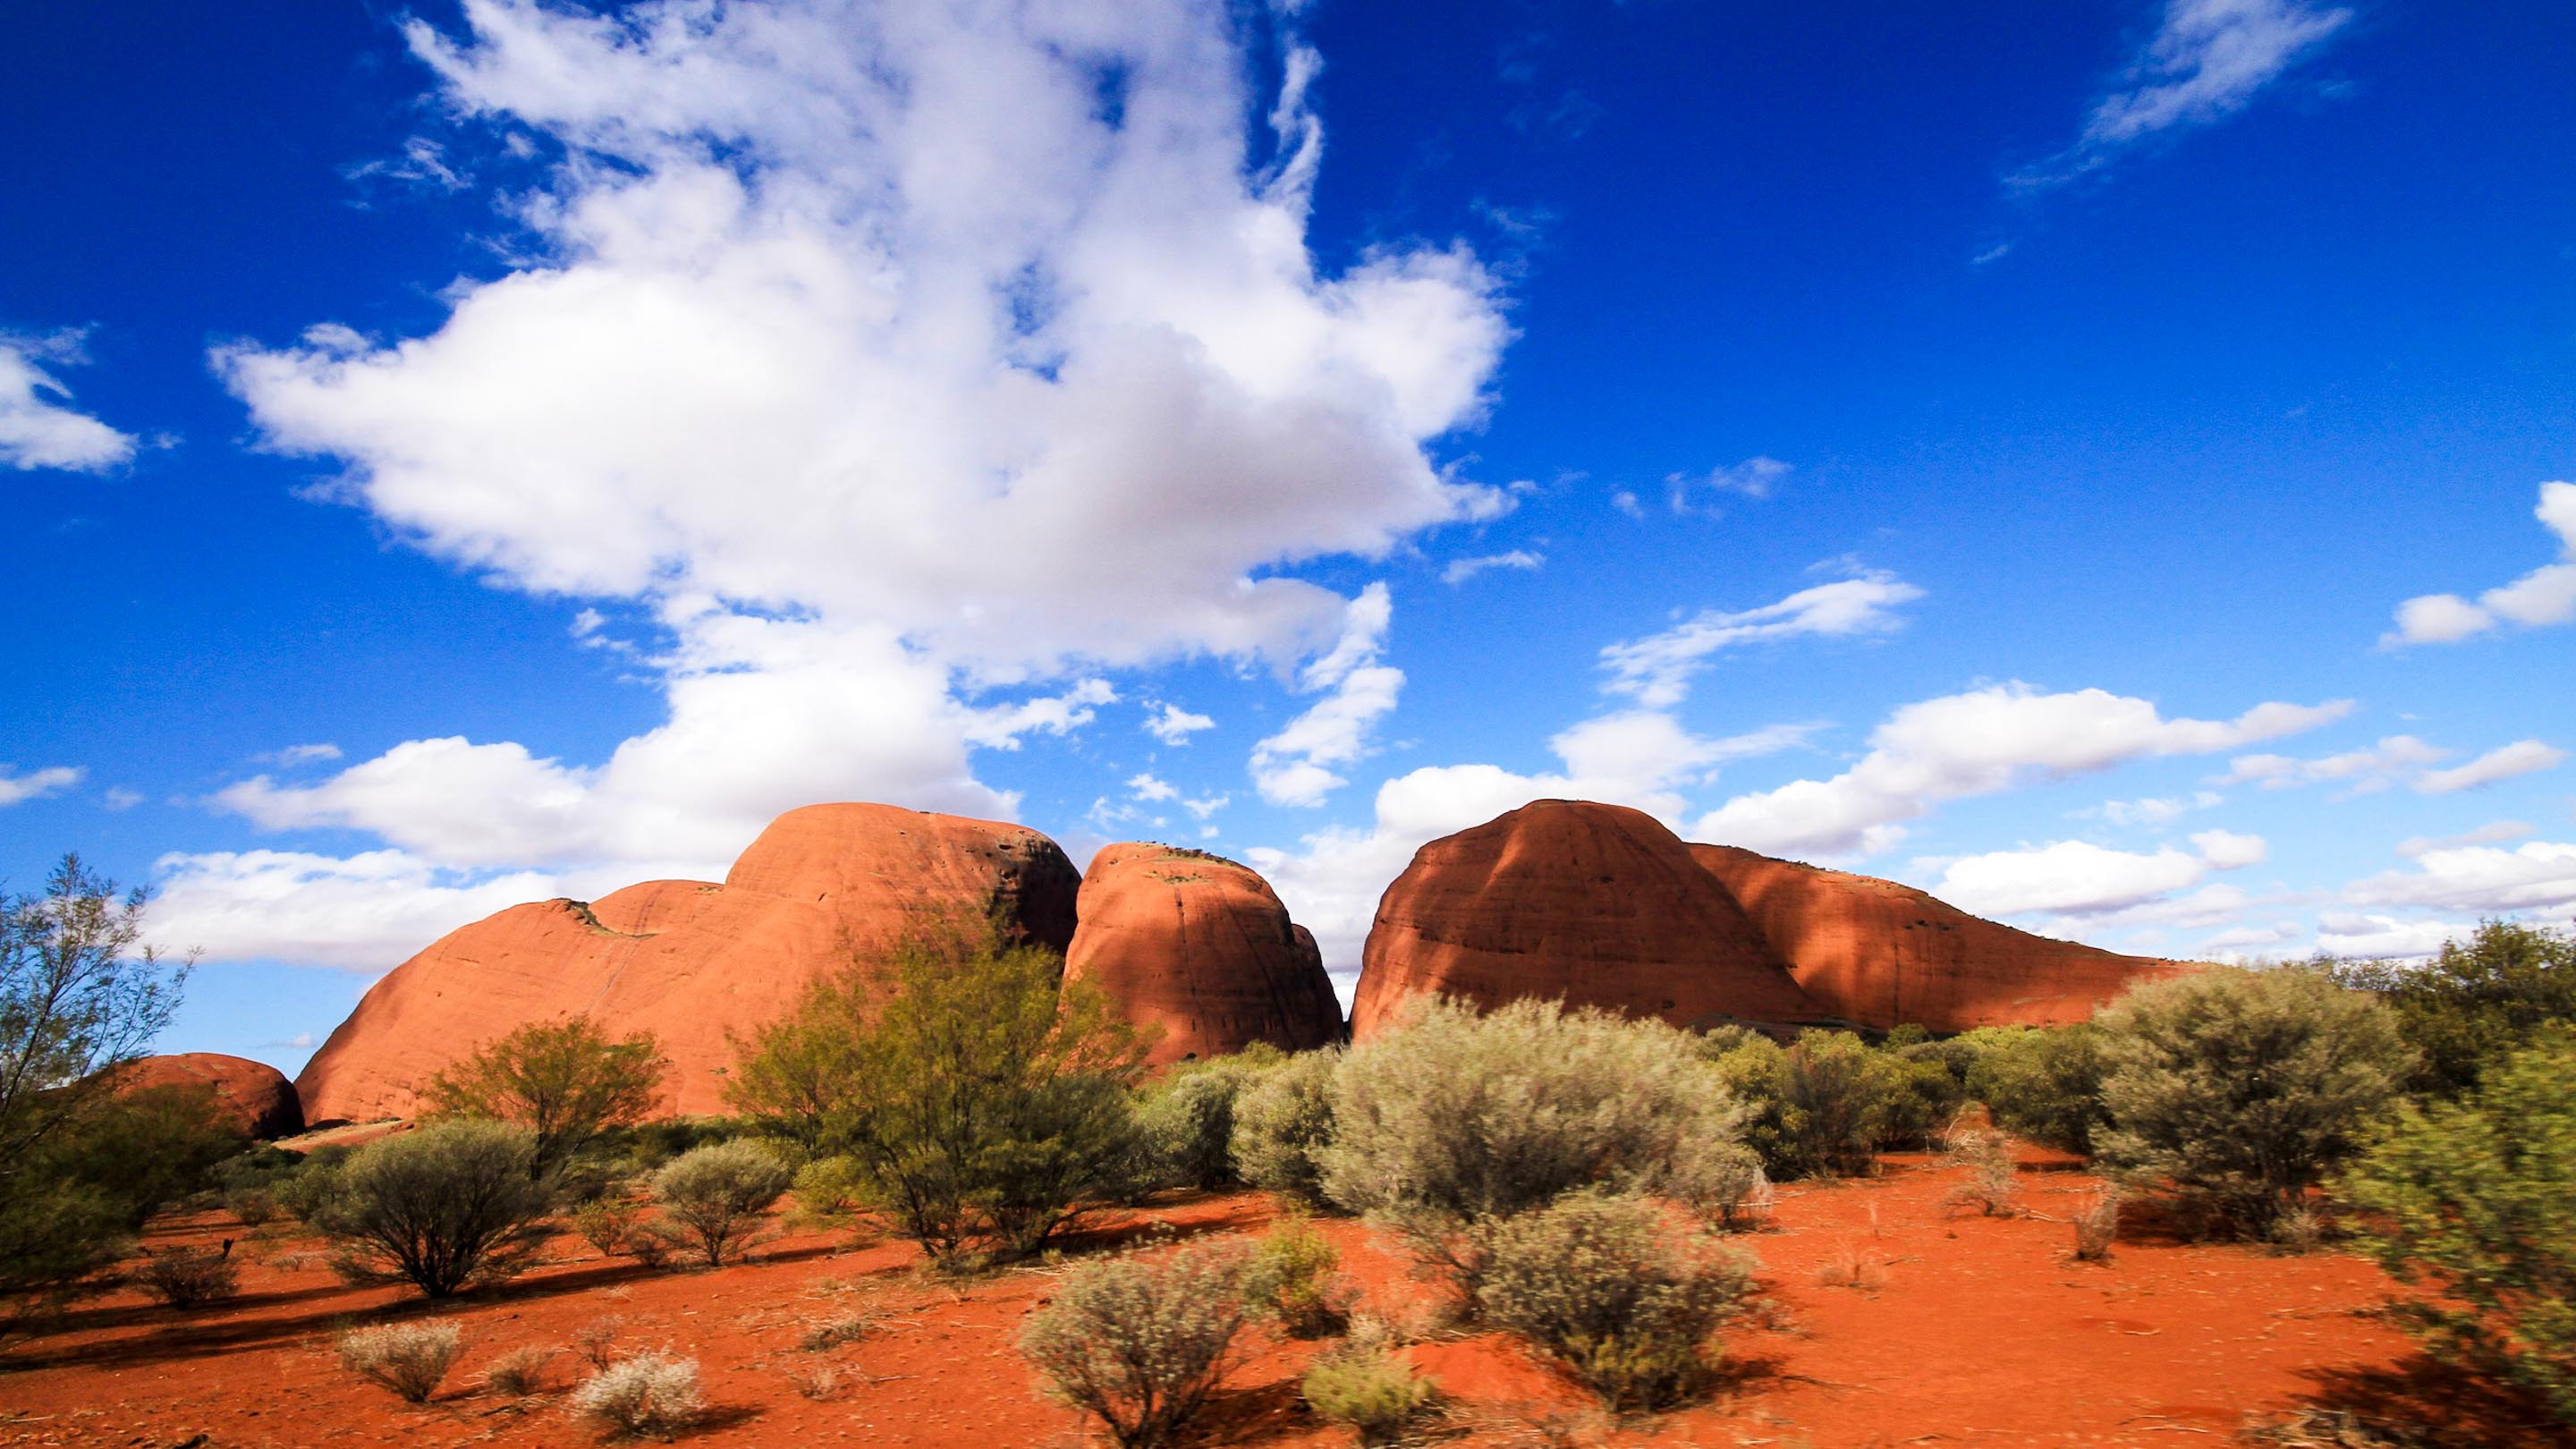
(692, 961)
(1880, 954)
(1597, 904)
(1201, 947)
(253, 1095)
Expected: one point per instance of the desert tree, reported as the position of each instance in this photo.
(444, 1205)
(564, 1081)
(2477, 1001)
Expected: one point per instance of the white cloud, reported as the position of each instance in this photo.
(1146, 787)
(38, 427)
(37, 784)
(366, 912)
(1656, 670)
(2486, 834)
(2538, 875)
(1752, 478)
(1981, 742)
(856, 345)
(2155, 810)
(1461, 570)
(1174, 725)
(2077, 878)
(2206, 60)
(2368, 771)
(119, 798)
(1203, 808)
(2522, 757)
(2361, 934)
(294, 755)
(1295, 766)
(2544, 596)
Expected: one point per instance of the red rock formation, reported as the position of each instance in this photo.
(254, 1095)
(690, 961)
(1597, 904)
(1199, 946)
(1882, 954)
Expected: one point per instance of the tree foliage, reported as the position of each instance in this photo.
(2044, 1083)
(564, 1081)
(2477, 1001)
(2234, 1091)
(983, 1106)
(2474, 1203)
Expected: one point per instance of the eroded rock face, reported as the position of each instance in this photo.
(1882, 954)
(254, 1095)
(691, 961)
(1597, 904)
(1200, 946)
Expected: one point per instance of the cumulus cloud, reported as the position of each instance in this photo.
(2522, 757)
(2155, 810)
(2205, 62)
(2544, 596)
(2350, 933)
(37, 784)
(1461, 570)
(367, 912)
(2538, 875)
(2077, 878)
(2363, 772)
(1980, 743)
(1295, 766)
(909, 368)
(2486, 834)
(1147, 787)
(1174, 725)
(39, 427)
(1656, 670)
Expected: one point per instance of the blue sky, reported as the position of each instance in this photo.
(2100, 462)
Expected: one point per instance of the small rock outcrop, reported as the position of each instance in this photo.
(692, 961)
(254, 1096)
(1597, 904)
(1201, 947)
(1880, 954)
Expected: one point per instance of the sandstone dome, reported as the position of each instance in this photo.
(253, 1096)
(1201, 947)
(692, 961)
(1597, 904)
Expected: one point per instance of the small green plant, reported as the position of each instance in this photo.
(715, 1194)
(252, 1207)
(1140, 1343)
(2468, 1203)
(409, 1359)
(650, 1393)
(596, 1341)
(608, 1224)
(1372, 1391)
(190, 1277)
(1282, 1120)
(1624, 1298)
(1187, 1123)
(1293, 1277)
(2043, 1083)
(831, 1193)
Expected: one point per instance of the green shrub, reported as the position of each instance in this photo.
(714, 1195)
(1917, 1087)
(1283, 1119)
(564, 1081)
(2234, 1091)
(608, 1224)
(2474, 1204)
(985, 1107)
(1370, 1390)
(2476, 1001)
(1818, 1105)
(1140, 1343)
(444, 1205)
(1293, 1276)
(2043, 1083)
(1457, 1116)
(1616, 1292)
(409, 1359)
(831, 1192)
(1187, 1123)
(650, 1393)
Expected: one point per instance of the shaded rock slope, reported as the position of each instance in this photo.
(1199, 946)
